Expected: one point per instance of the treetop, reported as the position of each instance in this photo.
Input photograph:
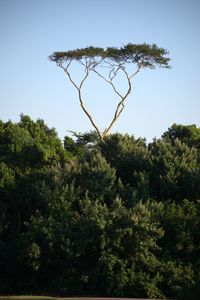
(144, 54)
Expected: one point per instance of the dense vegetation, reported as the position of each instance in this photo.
(111, 218)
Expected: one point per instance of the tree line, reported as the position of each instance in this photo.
(118, 217)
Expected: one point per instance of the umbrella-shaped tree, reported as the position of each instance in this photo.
(115, 61)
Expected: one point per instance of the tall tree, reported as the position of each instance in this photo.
(115, 61)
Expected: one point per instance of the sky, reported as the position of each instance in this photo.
(31, 30)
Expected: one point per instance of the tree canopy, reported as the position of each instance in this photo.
(117, 218)
(143, 54)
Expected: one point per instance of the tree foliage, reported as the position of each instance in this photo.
(116, 218)
(142, 54)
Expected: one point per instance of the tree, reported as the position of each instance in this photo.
(96, 177)
(174, 171)
(188, 134)
(84, 142)
(180, 248)
(129, 156)
(115, 61)
(79, 220)
(175, 168)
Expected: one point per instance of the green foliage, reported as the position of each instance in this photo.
(173, 171)
(95, 176)
(180, 223)
(30, 144)
(130, 159)
(189, 134)
(80, 219)
(130, 254)
(27, 150)
(6, 176)
(144, 54)
(83, 142)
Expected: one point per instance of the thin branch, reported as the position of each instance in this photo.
(108, 81)
(80, 94)
(83, 106)
(137, 71)
(121, 105)
(68, 74)
(118, 111)
(90, 65)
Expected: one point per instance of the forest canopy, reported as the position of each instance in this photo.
(85, 217)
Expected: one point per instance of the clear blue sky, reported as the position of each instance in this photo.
(30, 30)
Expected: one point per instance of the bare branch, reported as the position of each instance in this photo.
(108, 81)
(121, 105)
(83, 106)
(79, 89)
(137, 71)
